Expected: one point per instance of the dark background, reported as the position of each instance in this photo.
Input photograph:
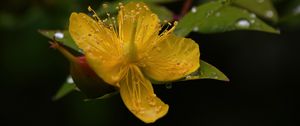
(263, 69)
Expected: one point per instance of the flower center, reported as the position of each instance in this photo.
(131, 53)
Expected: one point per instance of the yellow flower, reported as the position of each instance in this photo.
(128, 52)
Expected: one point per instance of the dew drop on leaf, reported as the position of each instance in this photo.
(195, 29)
(297, 10)
(225, 2)
(242, 23)
(252, 15)
(70, 79)
(269, 13)
(218, 14)
(188, 77)
(59, 35)
(194, 10)
(260, 1)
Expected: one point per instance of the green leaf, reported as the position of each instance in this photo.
(215, 17)
(291, 14)
(109, 95)
(162, 12)
(62, 37)
(65, 89)
(207, 71)
(263, 8)
(153, 1)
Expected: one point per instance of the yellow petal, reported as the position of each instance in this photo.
(138, 96)
(138, 24)
(100, 45)
(172, 59)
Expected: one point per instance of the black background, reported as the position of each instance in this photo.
(263, 69)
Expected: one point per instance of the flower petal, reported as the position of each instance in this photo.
(172, 59)
(138, 96)
(138, 24)
(100, 45)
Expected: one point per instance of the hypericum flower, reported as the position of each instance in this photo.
(130, 52)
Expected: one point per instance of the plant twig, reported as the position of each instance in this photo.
(185, 7)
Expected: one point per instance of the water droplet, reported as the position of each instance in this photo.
(218, 14)
(139, 101)
(70, 80)
(137, 5)
(195, 29)
(214, 75)
(152, 103)
(252, 15)
(200, 73)
(188, 77)
(158, 48)
(260, 1)
(269, 13)
(153, 95)
(158, 109)
(80, 50)
(208, 13)
(225, 2)
(242, 23)
(169, 86)
(297, 10)
(141, 112)
(59, 35)
(194, 9)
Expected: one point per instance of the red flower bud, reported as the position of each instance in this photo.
(84, 77)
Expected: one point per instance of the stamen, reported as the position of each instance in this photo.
(94, 14)
(105, 6)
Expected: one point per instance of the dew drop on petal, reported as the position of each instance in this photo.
(242, 23)
(59, 35)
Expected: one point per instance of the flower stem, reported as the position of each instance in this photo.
(185, 7)
(66, 53)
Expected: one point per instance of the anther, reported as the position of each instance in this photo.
(120, 4)
(105, 6)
